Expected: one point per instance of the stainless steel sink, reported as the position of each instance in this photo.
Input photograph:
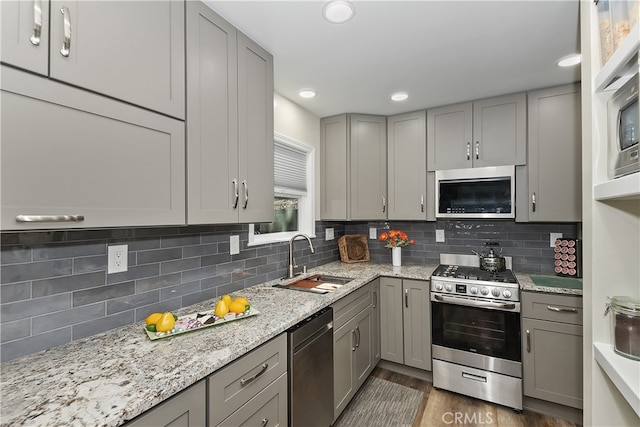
(319, 284)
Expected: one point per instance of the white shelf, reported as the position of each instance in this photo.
(624, 372)
(623, 188)
(621, 62)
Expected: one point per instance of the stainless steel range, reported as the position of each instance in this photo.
(476, 343)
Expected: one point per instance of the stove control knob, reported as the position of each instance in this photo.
(448, 287)
(484, 291)
(438, 286)
(473, 290)
(495, 292)
(506, 293)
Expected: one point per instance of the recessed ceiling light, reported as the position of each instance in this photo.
(570, 60)
(399, 96)
(307, 93)
(338, 11)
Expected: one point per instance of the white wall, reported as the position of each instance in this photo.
(295, 122)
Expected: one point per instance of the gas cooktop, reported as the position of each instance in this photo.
(474, 273)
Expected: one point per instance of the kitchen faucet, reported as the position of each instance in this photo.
(292, 266)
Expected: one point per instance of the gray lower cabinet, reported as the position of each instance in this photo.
(554, 164)
(487, 132)
(552, 348)
(405, 319)
(353, 167)
(103, 51)
(407, 159)
(186, 409)
(229, 122)
(375, 311)
(68, 153)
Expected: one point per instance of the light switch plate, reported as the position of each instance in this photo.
(328, 234)
(373, 233)
(439, 235)
(234, 245)
(552, 239)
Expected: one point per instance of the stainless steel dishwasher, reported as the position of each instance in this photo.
(311, 371)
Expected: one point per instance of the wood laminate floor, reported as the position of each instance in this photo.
(446, 409)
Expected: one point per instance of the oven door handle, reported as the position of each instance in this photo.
(474, 303)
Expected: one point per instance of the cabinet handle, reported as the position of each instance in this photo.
(533, 202)
(406, 298)
(477, 150)
(561, 310)
(246, 194)
(357, 336)
(375, 299)
(422, 203)
(468, 151)
(245, 381)
(37, 23)
(384, 204)
(66, 41)
(236, 194)
(49, 218)
(528, 341)
(353, 336)
(265, 421)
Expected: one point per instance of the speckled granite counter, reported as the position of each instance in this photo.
(107, 379)
(527, 284)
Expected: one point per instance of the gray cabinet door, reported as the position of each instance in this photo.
(186, 409)
(555, 154)
(363, 363)
(368, 167)
(255, 131)
(449, 137)
(552, 361)
(20, 46)
(344, 379)
(212, 117)
(375, 312)
(334, 152)
(133, 51)
(417, 324)
(69, 152)
(407, 157)
(391, 329)
(499, 131)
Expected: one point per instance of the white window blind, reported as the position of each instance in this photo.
(289, 167)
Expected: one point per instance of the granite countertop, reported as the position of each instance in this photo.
(109, 378)
(527, 284)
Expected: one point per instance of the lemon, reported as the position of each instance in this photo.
(242, 300)
(237, 307)
(221, 309)
(153, 318)
(227, 299)
(166, 322)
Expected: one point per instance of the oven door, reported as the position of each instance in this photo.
(492, 331)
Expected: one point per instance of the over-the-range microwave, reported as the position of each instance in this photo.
(487, 192)
(624, 130)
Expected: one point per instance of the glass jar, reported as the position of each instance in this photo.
(626, 325)
(634, 12)
(606, 35)
(620, 21)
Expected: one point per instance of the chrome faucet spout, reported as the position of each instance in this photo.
(292, 266)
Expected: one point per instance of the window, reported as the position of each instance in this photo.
(293, 203)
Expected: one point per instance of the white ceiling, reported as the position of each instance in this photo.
(440, 52)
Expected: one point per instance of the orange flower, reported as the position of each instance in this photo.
(395, 239)
(384, 236)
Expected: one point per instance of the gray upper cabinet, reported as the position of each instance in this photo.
(489, 132)
(98, 45)
(407, 159)
(353, 167)
(554, 167)
(229, 122)
(90, 156)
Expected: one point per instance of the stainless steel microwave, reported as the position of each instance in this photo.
(624, 130)
(487, 192)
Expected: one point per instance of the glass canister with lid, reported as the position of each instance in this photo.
(626, 325)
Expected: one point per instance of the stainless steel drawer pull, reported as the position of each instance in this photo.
(245, 381)
(561, 310)
(353, 335)
(49, 218)
(357, 336)
(406, 298)
(37, 23)
(265, 421)
(236, 194)
(474, 377)
(66, 41)
(246, 194)
(528, 341)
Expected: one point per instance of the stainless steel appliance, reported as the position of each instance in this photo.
(476, 342)
(311, 371)
(487, 192)
(624, 130)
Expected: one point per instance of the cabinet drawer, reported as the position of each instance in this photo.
(267, 408)
(187, 408)
(557, 308)
(352, 304)
(226, 390)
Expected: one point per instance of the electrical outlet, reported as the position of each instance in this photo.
(439, 235)
(117, 257)
(328, 234)
(234, 245)
(373, 233)
(552, 239)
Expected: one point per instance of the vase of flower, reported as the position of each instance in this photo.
(396, 257)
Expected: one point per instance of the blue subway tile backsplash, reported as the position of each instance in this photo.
(54, 287)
